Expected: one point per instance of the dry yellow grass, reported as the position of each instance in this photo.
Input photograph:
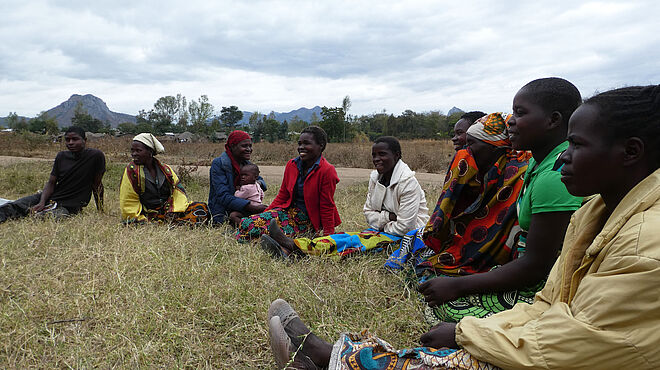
(421, 155)
(90, 292)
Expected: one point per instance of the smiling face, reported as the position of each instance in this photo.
(460, 128)
(74, 142)
(242, 151)
(308, 149)
(591, 160)
(140, 153)
(383, 157)
(528, 124)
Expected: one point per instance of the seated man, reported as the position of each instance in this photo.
(76, 174)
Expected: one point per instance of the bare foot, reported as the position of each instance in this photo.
(279, 236)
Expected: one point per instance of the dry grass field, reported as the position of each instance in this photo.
(420, 155)
(91, 292)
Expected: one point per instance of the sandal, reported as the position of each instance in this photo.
(279, 342)
(286, 313)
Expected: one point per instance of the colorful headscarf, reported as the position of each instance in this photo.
(491, 129)
(234, 138)
(150, 141)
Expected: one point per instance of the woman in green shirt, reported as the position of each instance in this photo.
(541, 110)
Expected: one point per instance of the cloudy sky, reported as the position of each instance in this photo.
(282, 55)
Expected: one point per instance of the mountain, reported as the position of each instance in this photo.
(93, 105)
(454, 110)
(304, 114)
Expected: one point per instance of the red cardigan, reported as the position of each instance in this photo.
(319, 191)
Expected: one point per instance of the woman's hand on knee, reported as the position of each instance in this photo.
(441, 335)
(439, 290)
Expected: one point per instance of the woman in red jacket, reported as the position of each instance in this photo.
(305, 203)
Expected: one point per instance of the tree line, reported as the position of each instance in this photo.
(175, 114)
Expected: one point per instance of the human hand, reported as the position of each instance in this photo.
(38, 207)
(439, 290)
(254, 209)
(441, 335)
(392, 216)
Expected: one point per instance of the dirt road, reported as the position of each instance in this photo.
(347, 176)
(273, 174)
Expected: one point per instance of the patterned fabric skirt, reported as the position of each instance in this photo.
(197, 213)
(409, 259)
(344, 244)
(411, 253)
(365, 351)
(293, 221)
(480, 305)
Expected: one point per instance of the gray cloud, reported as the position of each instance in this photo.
(262, 55)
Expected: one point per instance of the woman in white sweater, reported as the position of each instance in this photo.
(395, 205)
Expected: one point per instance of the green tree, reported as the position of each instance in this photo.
(297, 125)
(167, 108)
(143, 124)
(127, 128)
(200, 112)
(314, 119)
(256, 125)
(284, 131)
(84, 120)
(333, 123)
(15, 123)
(271, 128)
(346, 105)
(230, 116)
(44, 124)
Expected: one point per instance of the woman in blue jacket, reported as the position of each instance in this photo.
(224, 178)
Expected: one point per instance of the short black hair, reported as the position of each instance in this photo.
(472, 116)
(554, 94)
(392, 143)
(76, 130)
(631, 112)
(251, 167)
(319, 134)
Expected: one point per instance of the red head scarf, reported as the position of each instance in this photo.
(234, 138)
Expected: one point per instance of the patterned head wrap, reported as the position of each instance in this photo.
(491, 129)
(234, 138)
(150, 141)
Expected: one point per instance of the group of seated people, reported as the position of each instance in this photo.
(540, 251)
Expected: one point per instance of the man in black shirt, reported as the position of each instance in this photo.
(76, 174)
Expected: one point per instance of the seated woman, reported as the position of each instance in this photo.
(539, 124)
(461, 126)
(599, 307)
(395, 205)
(305, 203)
(224, 177)
(150, 190)
(474, 226)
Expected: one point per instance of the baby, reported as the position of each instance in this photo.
(248, 190)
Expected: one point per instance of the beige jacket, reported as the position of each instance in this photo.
(600, 308)
(403, 197)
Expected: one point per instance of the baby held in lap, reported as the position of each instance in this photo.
(248, 189)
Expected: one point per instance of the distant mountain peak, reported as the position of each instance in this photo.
(94, 106)
(302, 113)
(455, 110)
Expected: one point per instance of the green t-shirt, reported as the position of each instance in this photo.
(543, 190)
